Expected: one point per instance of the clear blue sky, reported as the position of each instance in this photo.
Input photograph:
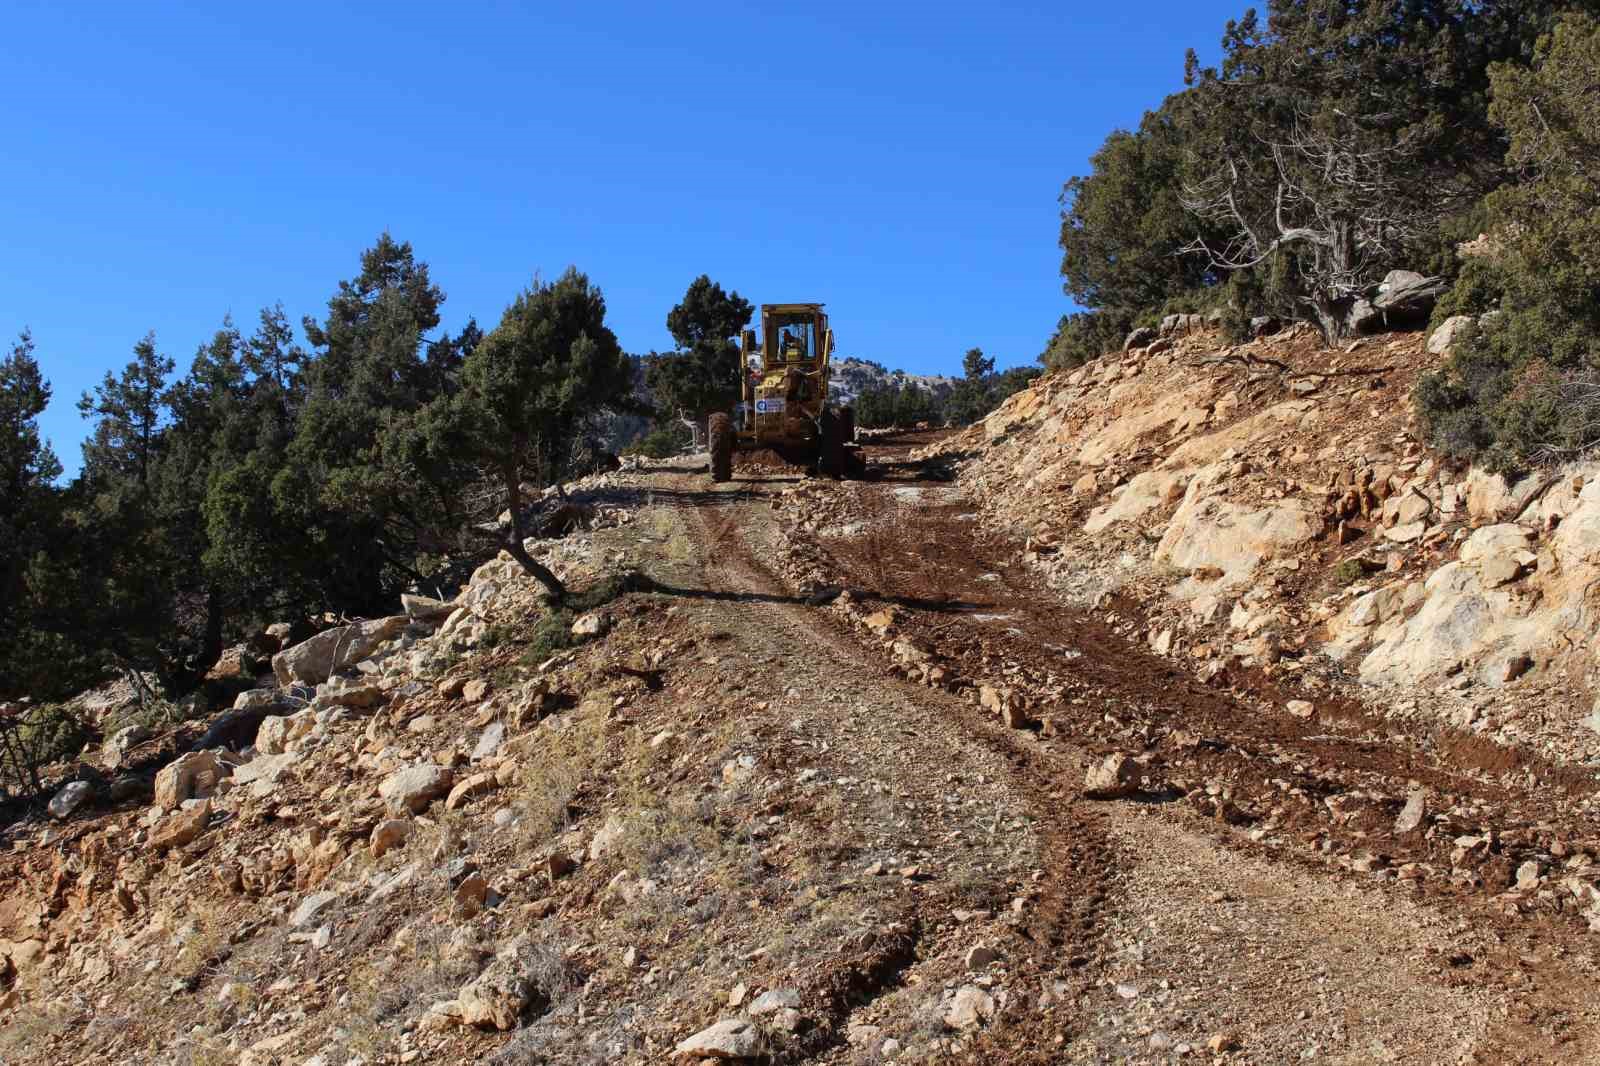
(164, 165)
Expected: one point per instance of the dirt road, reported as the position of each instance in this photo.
(1255, 900)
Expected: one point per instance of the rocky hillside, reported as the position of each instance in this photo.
(852, 377)
(841, 773)
(1266, 506)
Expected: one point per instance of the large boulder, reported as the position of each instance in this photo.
(190, 776)
(1443, 339)
(1139, 338)
(313, 661)
(66, 802)
(1405, 298)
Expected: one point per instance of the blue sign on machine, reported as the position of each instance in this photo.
(769, 407)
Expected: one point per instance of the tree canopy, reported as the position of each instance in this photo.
(702, 376)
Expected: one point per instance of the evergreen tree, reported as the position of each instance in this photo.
(34, 657)
(358, 528)
(1524, 387)
(702, 376)
(530, 385)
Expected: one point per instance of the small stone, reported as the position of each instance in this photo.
(1411, 815)
(1300, 708)
(609, 836)
(1405, 534)
(470, 788)
(310, 907)
(863, 1035)
(970, 1007)
(1528, 875)
(472, 893)
(495, 999)
(450, 688)
(181, 829)
(981, 957)
(415, 787)
(1515, 667)
(1112, 777)
(66, 802)
(475, 690)
(1499, 570)
(559, 866)
(774, 1000)
(489, 742)
(732, 1038)
(1223, 1041)
(592, 624)
(736, 997)
(387, 835)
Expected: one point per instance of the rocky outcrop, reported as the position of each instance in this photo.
(1274, 500)
(311, 662)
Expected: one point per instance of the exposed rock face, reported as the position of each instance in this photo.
(306, 914)
(1211, 532)
(312, 661)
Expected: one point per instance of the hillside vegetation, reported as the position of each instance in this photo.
(1338, 142)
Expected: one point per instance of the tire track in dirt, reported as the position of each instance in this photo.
(1125, 698)
(1063, 913)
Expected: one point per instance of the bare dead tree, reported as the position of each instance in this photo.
(696, 429)
(1337, 212)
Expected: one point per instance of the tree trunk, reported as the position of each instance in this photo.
(541, 573)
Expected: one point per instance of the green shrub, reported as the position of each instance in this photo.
(1522, 389)
(33, 737)
(1349, 572)
(662, 442)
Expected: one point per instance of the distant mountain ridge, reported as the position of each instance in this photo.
(853, 376)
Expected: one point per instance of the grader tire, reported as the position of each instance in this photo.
(719, 436)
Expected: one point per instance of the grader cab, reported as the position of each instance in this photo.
(784, 371)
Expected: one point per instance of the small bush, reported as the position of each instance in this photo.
(33, 737)
(662, 442)
(1349, 572)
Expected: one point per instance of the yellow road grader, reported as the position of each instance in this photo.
(784, 372)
